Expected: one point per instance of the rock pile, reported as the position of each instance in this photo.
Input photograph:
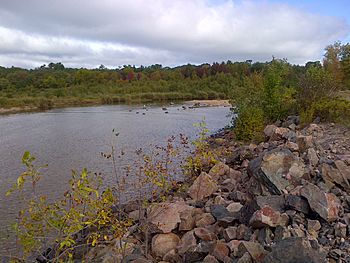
(284, 200)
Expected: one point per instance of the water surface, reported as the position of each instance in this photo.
(73, 138)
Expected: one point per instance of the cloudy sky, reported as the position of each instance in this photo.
(87, 33)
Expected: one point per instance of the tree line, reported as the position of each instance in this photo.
(56, 83)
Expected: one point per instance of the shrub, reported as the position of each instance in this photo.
(249, 124)
(328, 109)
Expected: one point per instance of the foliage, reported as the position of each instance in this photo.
(203, 156)
(84, 210)
(328, 109)
(249, 124)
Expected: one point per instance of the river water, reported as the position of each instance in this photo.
(73, 138)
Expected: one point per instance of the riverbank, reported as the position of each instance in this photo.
(98, 102)
(286, 199)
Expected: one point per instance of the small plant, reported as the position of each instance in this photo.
(83, 211)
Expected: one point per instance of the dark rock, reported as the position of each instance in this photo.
(297, 203)
(292, 250)
(326, 205)
(222, 214)
(277, 170)
(187, 243)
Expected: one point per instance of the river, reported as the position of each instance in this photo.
(73, 138)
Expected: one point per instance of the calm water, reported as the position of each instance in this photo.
(73, 138)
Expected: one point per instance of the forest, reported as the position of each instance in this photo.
(55, 85)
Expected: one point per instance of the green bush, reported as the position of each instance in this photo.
(329, 110)
(249, 124)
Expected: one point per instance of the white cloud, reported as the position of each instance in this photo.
(88, 33)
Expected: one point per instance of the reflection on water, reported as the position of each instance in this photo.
(73, 138)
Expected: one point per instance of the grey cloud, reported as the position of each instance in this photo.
(158, 31)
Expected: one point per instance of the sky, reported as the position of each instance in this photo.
(88, 33)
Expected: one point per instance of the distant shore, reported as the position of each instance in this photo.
(195, 103)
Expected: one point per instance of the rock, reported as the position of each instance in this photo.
(220, 251)
(335, 176)
(204, 186)
(313, 225)
(297, 203)
(230, 233)
(210, 259)
(312, 157)
(277, 170)
(276, 202)
(165, 217)
(187, 220)
(219, 170)
(340, 230)
(234, 207)
(222, 214)
(281, 232)
(204, 234)
(326, 205)
(268, 217)
(269, 130)
(187, 243)
(343, 169)
(255, 250)
(204, 219)
(279, 133)
(172, 257)
(243, 232)
(304, 142)
(246, 258)
(292, 250)
(163, 243)
(233, 246)
(292, 146)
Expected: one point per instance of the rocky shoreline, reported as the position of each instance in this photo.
(284, 200)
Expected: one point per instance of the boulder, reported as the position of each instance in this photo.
(269, 130)
(219, 170)
(172, 256)
(230, 233)
(314, 225)
(276, 202)
(255, 250)
(204, 234)
(304, 142)
(294, 249)
(204, 219)
(221, 251)
(268, 217)
(187, 220)
(165, 217)
(326, 205)
(163, 243)
(187, 243)
(234, 207)
(277, 170)
(204, 186)
(210, 259)
(312, 157)
(297, 203)
(246, 258)
(222, 214)
(335, 176)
